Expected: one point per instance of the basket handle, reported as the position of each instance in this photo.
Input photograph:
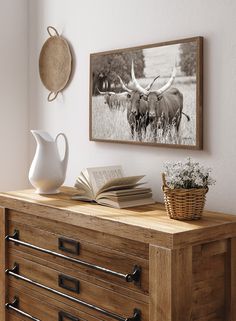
(164, 180)
(49, 31)
(50, 97)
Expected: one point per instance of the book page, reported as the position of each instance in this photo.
(84, 178)
(79, 197)
(125, 204)
(83, 186)
(99, 176)
(121, 182)
(124, 198)
(125, 192)
(83, 190)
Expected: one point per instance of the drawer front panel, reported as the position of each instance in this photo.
(75, 273)
(93, 254)
(44, 308)
(109, 241)
(13, 317)
(88, 292)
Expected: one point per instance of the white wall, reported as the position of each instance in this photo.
(13, 94)
(93, 26)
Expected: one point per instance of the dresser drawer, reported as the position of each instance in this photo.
(12, 316)
(41, 307)
(73, 285)
(108, 240)
(104, 263)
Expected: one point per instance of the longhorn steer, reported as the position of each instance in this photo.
(165, 110)
(115, 100)
(121, 100)
(137, 112)
(165, 107)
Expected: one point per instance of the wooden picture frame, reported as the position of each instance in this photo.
(150, 95)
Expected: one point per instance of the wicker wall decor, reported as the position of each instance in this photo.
(55, 63)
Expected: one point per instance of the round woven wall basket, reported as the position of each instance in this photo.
(184, 204)
(55, 62)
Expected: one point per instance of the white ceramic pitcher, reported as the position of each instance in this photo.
(48, 171)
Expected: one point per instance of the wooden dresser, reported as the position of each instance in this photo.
(63, 260)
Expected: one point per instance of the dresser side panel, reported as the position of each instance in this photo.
(170, 284)
(2, 264)
(209, 279)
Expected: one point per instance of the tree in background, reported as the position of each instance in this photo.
(107, 67)
(188, 58)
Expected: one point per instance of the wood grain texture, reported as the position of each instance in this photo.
(210, 249)
(191, 265)
(233, 279)
(170, 293)
(89, 252)
(147, 224)
(47, 308)
(230, 282)
(20, 286)
(209, 277)
(89, 292)
(85, 275)
(106, 240)
(2, 264)
(12, 317)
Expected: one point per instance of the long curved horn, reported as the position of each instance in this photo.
(168, 84)
(135, 85)
(151, 83)
(105, 92)
(123, 85)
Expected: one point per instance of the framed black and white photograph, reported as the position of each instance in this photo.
(149, 95)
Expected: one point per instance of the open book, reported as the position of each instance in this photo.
(108, 186)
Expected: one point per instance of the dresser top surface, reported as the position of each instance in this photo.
(148, 223)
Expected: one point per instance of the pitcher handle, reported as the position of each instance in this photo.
(65, 159)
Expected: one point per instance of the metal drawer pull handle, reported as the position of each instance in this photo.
(68, 283)
(15, 272)
(63, 316)
(72, 245)
(130, 277)
(15, 307)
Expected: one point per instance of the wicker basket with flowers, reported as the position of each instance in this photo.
(185, 185)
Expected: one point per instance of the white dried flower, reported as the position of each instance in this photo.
(187, 174)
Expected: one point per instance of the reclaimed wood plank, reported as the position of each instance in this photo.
(149, 224)
(2, 264)
(90, 235)
(88, 291)
(230, 281)
(170, 294)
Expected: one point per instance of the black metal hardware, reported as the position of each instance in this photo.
(16, 235)
(15, 273)
(136, 316)
(68, 283)
(135, 276)
(130, 277)
(15, 307)
(15, 269)
(64, 315)
(72, 247)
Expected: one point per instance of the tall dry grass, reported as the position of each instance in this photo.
(113, 125)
